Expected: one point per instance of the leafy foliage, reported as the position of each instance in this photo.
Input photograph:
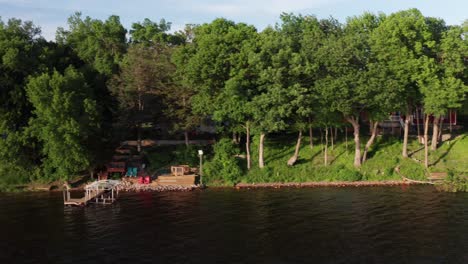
(65, 117)
(101, 44)
(223, 169)
(63, 103)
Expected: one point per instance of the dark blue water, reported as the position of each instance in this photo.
(321, 225)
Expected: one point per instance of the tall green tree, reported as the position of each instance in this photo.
(65, 118)
(287, 72)
(20, 56)
(178, 97)
(218, 71)
(346, 56)
(399, 43)
(101, 44)
(145, 72)
(442, 81)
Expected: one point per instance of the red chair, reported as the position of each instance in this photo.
(147, 180)
(141, 180)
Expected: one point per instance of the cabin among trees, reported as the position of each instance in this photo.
(394, 125)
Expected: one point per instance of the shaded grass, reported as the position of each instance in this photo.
(383, 157)
(160, 158)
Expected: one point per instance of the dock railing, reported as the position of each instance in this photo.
(103, 191)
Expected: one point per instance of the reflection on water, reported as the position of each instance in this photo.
(320, 225)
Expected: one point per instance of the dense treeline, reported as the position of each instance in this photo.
(64, 104)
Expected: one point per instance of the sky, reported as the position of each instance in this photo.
(50, 14)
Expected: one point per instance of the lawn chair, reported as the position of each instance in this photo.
(129, 172)
(147, 180)
(141, 180)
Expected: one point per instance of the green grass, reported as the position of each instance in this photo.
(383, 157)
(451, 156)
(162, 157)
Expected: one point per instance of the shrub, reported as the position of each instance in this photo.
(223, 168)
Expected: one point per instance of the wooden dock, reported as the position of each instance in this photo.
(185, 180)
(103, 192)
(181, 175)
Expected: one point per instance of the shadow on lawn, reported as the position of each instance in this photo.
(382, 143)
(452, 143)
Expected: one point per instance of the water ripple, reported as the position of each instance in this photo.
(319, 225)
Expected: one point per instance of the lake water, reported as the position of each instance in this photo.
(317, 225)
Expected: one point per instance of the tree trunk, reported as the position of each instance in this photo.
(332, 138)
(140, 108)
(435, 133)
(321, 139)
(450, 121)
(311, 143)
(417, 124)
(234, 138)
(325, 155)
(336, 134)
(405, 136)
(346, 138)
(186, 136)
(261, 163)
(426, 149)
(371, 140)
(247, 145)
(357, 151)
(441, 128)
(139, 137)
(293, 159)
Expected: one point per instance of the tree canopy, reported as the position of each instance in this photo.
(63, 102)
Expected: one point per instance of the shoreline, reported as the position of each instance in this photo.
(275, 185)
(272, 185)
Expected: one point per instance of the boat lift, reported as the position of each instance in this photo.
(101, 192)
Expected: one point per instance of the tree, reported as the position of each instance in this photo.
(346, 56)
(441, 81)
(65, 117)
(149, 32)
(452, 68)
(100, 44)
(271, 106)
(178, 97)
(20, 56)
(218, 71)
(398, 43)
(145, 73)
(302, 38)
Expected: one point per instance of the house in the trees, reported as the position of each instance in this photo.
(396, 121)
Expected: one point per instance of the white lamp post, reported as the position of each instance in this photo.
(200, 154)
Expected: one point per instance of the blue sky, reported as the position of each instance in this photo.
(50, 14)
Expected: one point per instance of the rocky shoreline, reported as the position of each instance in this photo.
(325, 184)
(127, 186)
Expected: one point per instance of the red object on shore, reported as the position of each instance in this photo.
(104, 175)
(147, 180)
(141, 180)
(116, 167)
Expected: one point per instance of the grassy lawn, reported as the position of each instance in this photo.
(383, 157)
(451, 156)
